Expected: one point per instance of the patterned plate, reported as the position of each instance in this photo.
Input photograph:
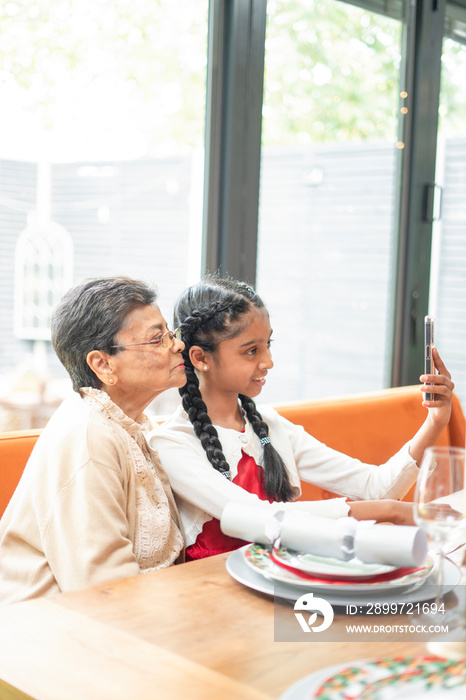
(413, 677)
(258, 558)
(327, 567)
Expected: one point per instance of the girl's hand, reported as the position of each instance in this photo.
(442, 387)
(389, 510)
(386, 510)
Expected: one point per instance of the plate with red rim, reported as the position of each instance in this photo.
(429, 677)
(328, 567)
(253, 579)
(260, 559)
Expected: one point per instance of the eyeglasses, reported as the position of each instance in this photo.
(165, 340)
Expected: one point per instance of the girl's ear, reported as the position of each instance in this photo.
(100, 364)
(199, 357)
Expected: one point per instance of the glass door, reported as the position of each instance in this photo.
(448, 279)
(328, 194)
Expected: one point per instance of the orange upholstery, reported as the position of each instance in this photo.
(15, 448)
(371, 427)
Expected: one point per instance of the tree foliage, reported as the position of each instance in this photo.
(452, 111)
(332, 72)
(107, 67)
(92, 74)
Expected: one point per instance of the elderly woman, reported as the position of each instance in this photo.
(94, 503)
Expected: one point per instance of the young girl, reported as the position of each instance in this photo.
(218, 448)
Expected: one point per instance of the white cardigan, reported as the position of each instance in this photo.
(202, 492)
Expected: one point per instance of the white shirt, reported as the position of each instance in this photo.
(202, 492)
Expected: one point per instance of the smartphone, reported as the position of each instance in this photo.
(429, 367)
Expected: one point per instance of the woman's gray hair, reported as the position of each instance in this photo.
(89, 316)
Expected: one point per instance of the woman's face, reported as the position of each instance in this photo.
(142, 372)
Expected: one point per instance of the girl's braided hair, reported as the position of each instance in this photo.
(207, 313)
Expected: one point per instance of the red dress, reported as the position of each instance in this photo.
(212, 540)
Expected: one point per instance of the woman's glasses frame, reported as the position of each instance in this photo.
(165, 340)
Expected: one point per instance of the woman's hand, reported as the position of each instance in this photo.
(384, 511)
(441, 386)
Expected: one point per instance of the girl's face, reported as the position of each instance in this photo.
(240, 364)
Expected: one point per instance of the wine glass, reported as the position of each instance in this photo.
(440, 503)
(455, 647)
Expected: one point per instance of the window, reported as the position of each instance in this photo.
(108, 98)
(328, 195)
(448, 275)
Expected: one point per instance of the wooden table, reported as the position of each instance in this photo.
(188, 631)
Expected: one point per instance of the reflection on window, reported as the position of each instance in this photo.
(43, 273)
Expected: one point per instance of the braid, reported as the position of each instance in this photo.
(192, 398)
(275, 477)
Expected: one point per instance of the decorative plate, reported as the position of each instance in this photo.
(403, 677)
(258, 558)
(327, 567)
(252, 578)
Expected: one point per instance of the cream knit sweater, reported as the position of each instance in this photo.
(93, 505)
